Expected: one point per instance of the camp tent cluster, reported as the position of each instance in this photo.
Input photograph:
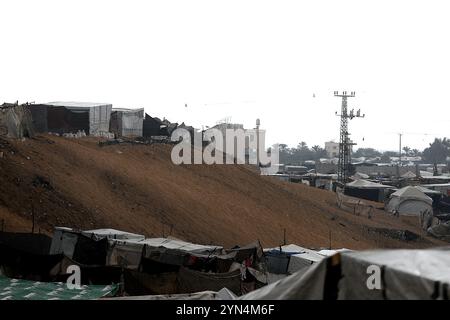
(122, 265)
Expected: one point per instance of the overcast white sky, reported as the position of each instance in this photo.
(240, 59)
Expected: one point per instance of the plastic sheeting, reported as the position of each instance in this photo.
(194, 281)
(63, 242)
(300, 257)
(223, 294)
(99, 114)
(127, 122)
(16, 121)
(403, 274)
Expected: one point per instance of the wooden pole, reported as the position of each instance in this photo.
(329, 236)
(32, 216)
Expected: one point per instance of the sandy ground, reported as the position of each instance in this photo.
(77, 183)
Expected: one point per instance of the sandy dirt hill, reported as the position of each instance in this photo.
(77, 183)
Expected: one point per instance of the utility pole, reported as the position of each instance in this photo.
(345, 144)
(400, 150)
(258, 122)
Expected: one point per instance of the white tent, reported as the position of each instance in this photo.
(409, 201)
(409, 175)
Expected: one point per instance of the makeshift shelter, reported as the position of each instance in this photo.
(127, 122)
(403, 274)
(299, 257)
(153, 127)
(368, 190)
(15, 121)
(71, 117)
(409, 201)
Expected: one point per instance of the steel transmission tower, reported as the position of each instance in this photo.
(345, 143)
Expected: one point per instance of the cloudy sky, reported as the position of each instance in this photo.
(279, 61)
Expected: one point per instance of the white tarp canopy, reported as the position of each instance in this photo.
(404, 274)
(112, 234)
(409, 201)
(365, 184)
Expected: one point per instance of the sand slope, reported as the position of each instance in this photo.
(77, 183)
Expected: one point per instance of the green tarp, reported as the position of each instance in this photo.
(17, 289)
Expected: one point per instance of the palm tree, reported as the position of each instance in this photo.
(407, 150)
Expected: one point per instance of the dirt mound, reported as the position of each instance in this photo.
(77, 183)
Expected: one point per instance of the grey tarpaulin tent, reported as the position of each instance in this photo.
(300, 257)
(127, 122)
(368, 190)
(409, 201)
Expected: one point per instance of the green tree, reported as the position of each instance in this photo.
(366, 152)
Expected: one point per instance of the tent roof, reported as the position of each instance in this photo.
(365, 184)
(426, 190)
(113, 234)
(177, 245)
(74, 104)
(412, 193)
(409, 174)
(298, 251)
(127, 110)
(360, 175)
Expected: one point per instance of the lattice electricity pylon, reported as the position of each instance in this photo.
(344, 142)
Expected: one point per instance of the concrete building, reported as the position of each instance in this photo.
(332, 149)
